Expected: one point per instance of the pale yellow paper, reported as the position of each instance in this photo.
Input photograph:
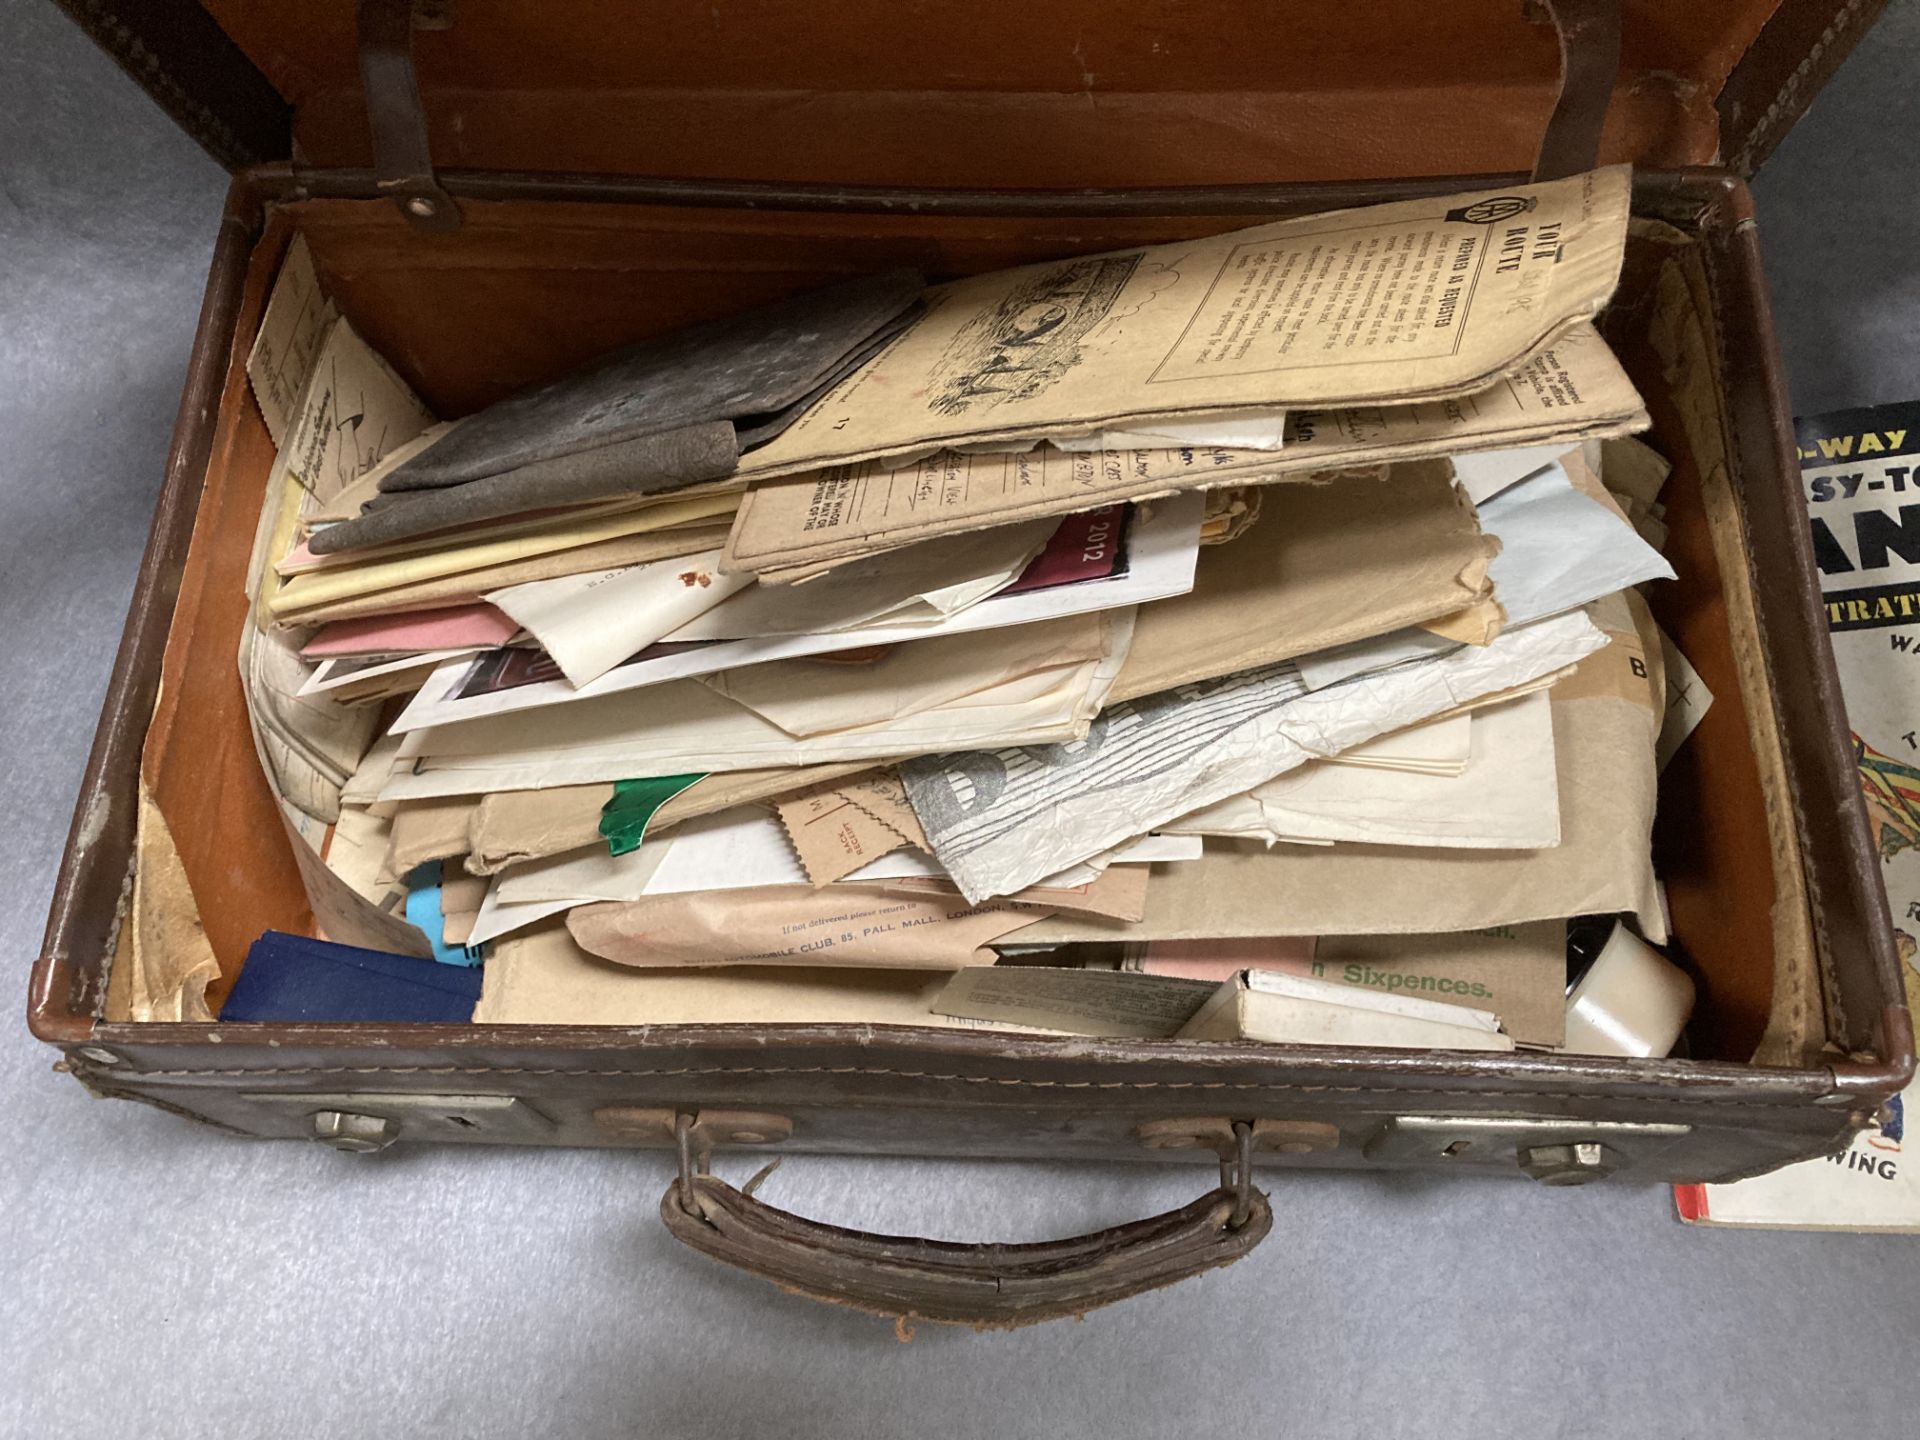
(288, 344)
(315, 588)
(170, 962)
(467, 586)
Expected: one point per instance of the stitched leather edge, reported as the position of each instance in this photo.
(1764, 126)
(1713, 262)
(115, 36)
(1386, 1092)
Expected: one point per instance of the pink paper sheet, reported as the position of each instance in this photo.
(449, 629)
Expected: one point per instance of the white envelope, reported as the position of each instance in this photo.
(1559, 549)
(1163, 549)
(805, 697)
(998, 820)
(686, 728)
(590, 622)
(1483, 474)
(914, 585)
(1506, 798)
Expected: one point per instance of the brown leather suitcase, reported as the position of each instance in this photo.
(560, 178)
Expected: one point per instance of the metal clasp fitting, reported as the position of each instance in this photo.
(1236, 1174)
(690, 1163)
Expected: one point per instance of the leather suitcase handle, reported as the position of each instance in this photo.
(984, 1285)
(987, 1286)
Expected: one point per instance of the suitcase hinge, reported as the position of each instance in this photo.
(402, 163)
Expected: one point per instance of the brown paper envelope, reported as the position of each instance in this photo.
(1517, 971)
(1478, 624)
(541, 977)
(1326, 564)
(1633, 468)
(424, 830)
(840, 925)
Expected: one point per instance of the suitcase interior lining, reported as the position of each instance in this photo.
(527, 288)
(1065, 94)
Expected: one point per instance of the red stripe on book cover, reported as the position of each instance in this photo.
(1089, 546)
(1691, 1202)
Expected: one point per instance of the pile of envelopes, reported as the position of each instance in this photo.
(1123, 623)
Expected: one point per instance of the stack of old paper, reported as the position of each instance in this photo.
(1264, 585)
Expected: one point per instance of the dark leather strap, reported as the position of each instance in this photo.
(985, 1286)
(1589, 32)
(402, 165)
(178, 54)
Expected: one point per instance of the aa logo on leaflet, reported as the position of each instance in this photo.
(1493, 210)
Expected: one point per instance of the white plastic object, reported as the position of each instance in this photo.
(1632, 1001)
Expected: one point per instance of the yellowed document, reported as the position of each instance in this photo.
(1571, 388)
(353, 409)
(1414, 300)
(683, 727)
(589, 623)
(170, 962)
(303, 560)
(284, 352)
(918, 584)
(1507, 797)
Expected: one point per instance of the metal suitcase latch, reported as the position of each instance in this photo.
(1554, 1152)
(366, 1123)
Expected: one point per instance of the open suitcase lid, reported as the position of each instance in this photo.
(1071, 93)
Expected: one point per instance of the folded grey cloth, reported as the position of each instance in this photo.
(668, 413)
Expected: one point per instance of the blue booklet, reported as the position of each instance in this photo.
(293, 977)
